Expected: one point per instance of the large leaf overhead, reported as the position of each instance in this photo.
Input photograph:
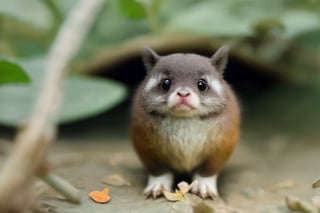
(84, 96)
(236, 18)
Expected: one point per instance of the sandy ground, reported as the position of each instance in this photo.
(271, 161)
(253, 181)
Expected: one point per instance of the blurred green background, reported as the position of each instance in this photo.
(274, 61)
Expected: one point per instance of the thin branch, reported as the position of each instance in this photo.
(32, 141)
(63, 187)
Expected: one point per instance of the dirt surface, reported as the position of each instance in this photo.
(272, 160)
(253, 181)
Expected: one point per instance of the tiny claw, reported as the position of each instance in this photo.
(157, 193)
(153, 192)
(206, 187)
(147, 194)
(157, 184)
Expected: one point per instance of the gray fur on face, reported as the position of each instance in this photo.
(184, 71)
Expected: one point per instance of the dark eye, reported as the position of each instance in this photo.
(202, 85)
(165, 84)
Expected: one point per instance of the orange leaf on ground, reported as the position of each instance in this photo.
(100, 196)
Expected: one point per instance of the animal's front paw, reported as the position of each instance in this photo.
(157, 184)
(206, 187)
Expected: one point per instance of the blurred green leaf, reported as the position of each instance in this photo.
(55, 12)
(310, 39)
(84, 96)
(64, 6)
(112, 28)
(237, 18)
(303, 58)
(132, 9)
(32, 12)
(12, 73)
(28, 26)
(20, 38)
(290, 25)
(298, 21)
(218, 18)
(267, 27)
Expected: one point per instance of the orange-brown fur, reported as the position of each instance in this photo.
(216, 152)
(228, 140)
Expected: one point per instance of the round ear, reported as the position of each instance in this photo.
(220, 58)
(149, 57)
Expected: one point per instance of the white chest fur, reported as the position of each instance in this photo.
(184, 140)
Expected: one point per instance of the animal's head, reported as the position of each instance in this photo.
(184, 85)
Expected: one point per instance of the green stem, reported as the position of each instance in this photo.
(63, 187)
(152, 12)
(55, 13)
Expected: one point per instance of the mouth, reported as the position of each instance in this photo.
(183, 107)
(183, 104)
(182, 110)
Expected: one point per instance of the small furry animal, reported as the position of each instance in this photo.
(184, 120)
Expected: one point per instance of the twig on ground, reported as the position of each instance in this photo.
(63, 187)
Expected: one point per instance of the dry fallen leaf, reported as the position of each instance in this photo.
(287, 184)
(186, 202)
(116, 180)
(184, 187)
(100, 196)
(295, 204)
(316, 202)
(176, 196)
(316, 183)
